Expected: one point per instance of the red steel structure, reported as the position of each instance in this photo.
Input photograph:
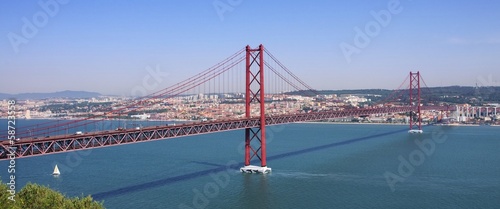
(63, 143)
(415, 99)
(253, 124)
(254, 93)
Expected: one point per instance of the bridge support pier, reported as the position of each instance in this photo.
(254, 93)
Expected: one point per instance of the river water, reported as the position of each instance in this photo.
(314, 166)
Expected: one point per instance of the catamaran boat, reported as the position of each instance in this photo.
(415, 131)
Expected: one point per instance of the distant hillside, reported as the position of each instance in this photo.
(382, 92)
(59, 94)
(449, 94)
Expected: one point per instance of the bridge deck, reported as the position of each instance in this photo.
(64, 143)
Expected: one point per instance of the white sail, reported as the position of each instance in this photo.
(56, 171)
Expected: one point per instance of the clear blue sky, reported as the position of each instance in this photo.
(105, 46)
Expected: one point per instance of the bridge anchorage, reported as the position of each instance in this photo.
(254, 93)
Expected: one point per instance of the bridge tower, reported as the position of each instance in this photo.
(415, 101)
(254, 94)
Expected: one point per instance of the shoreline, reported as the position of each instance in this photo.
(348, 123)
(302, 122)
(100, 119)
(393, 124)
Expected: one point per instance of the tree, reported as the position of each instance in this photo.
(36, 196)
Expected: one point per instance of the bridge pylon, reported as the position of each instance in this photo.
(415, 101)
(255, 138)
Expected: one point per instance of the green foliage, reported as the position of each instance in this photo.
(34, 196)
(4, 195)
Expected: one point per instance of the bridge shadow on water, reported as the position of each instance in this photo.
(219, 168)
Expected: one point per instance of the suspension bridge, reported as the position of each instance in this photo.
(255, 72)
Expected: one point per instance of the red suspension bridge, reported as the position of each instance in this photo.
(263, 80)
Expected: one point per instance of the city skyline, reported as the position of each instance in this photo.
(51, 46)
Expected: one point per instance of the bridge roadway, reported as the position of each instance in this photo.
(64, 143)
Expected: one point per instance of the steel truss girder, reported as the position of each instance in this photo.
(65, 143)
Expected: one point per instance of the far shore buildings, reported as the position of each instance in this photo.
(204, 107)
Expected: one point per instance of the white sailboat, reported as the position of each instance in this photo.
(56, 171)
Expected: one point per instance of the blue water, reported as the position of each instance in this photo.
(314, 166)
